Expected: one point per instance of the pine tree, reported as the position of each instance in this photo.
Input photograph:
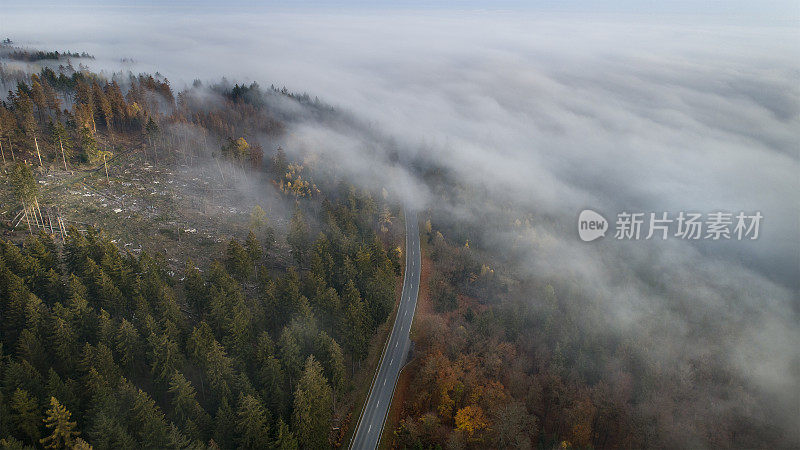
(285, 439)
(63, 433)
(224, 424)
(184, 402)
(128, 344)
(354, 329)
(23, 106)
(299, 236)
(165, 355)
(329, 307)
(89, 148)
(194, 287)
(258, 219)
(238, 261)
(219, 369)
(25, 415)
(64, 341)
(107, 432)
(103, 106)
(252, 423)
(23, 183)
(65, 390)
(330, 355)
(313, 404)
(272, 380)
(291, 355)
(287, 296)
(149, 421)
(254, 249)
(60, 138)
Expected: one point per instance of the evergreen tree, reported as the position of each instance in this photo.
(252, 423)
(64, 341)
(258, 219)
(291, 353)
(90, 152)
(23, 183)
(63, 434)
(194, 287)
(128, 344)
(62, 142)
(254, 250)
(25, 415)
(238, 261)
(299, 236)
(330, 355)
(149, 421)
(272, 380)
(165, 355)
(313, 404)
(225, 424)
(285, 439)
(65, 390)
(186, 408)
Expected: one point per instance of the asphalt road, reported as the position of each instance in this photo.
(370, 423)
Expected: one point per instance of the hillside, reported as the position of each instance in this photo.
(172, 279)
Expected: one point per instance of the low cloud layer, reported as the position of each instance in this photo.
(551, 114)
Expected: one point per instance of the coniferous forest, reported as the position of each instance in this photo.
(104, 347)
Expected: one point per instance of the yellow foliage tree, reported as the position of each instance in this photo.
(471, 419)
(64, 434)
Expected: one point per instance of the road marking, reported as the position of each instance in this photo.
(397, 332)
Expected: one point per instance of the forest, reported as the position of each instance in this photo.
(172, 275)
(258, 346)
(506, 359)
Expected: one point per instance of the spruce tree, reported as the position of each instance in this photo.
(252, 423)
(25, 415)
(313, 404)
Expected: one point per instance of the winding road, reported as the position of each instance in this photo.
(371, 421)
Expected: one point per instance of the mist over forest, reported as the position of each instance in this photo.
(499, 128)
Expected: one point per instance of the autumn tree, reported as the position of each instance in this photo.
(63, 433)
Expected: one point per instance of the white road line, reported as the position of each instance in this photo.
(397, 334)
